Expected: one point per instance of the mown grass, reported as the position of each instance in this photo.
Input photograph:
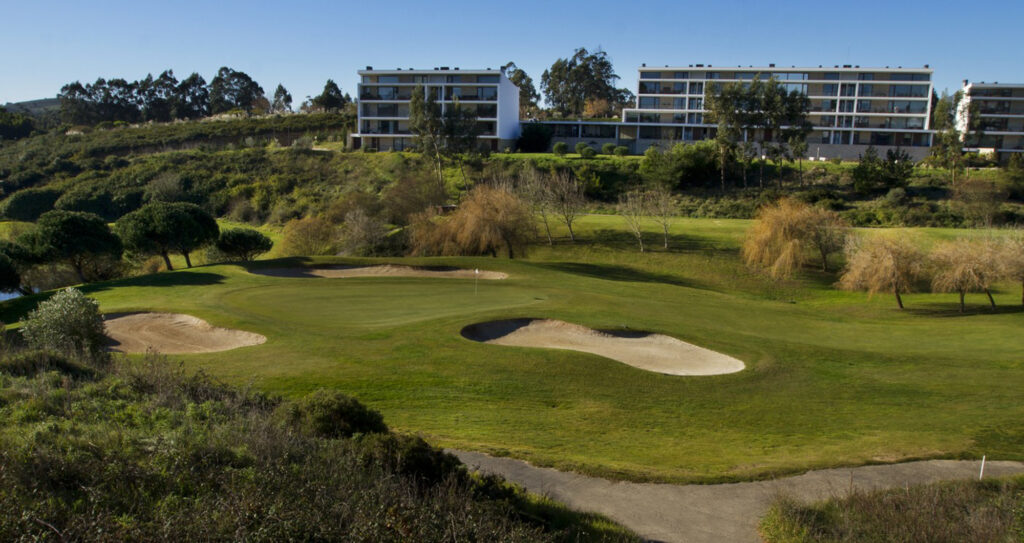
(959, 512)
(833, 378)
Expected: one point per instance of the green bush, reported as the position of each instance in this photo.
(621, 150)
(69, 322)
(408, 455)
(535, 138)
(608, 149)
(560, 148)
(243, 243)
(29, 204)
(580, 147)
(588, 152)
(331, 414)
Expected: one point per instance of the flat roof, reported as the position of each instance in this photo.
(429, 71)
(843, 68)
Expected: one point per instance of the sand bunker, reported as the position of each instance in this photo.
(651, 352)
(388, 270)
(172, 333)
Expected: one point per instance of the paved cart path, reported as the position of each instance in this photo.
(714, 513)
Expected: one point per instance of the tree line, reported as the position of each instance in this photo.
(165, 98)
(86, 243)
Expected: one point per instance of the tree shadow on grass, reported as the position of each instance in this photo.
(621, 239)
(15, 309)
(971, 310)
(610, 272)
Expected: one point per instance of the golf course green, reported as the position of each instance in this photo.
(832, 378)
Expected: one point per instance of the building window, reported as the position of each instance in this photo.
(566, 131)
(601, 131)
(647, 87)
(488, 93)
(681, 75)
(679, 103)
(863, 106)
(648, 102)
(487, 79)
(696, 88)
(650, 132)
(714, 75)
(387, 79)
(696, 103)
(848, 89)
(829, 89)
(678, 88)
(866, 77)
(695, 118)
(831, 76)
(489, 111)
(650, 75)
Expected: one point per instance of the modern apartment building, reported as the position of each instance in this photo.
(384, 104)
(851, 107)
(1000, 124)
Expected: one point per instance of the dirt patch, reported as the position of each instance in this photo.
(652, 352)
(172, 333)
(386, 270)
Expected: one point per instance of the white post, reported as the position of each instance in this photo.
(476, 281)
(982, 472)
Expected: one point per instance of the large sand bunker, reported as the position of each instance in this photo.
(172, 333)
(386, 270)
(651, 352)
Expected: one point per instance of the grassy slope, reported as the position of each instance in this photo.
(834, 378)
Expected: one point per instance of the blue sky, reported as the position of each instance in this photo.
(46, 44)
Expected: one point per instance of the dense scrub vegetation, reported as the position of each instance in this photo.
(94, 449)
(960, 512)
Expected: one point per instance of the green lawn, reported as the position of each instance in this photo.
(833, 378)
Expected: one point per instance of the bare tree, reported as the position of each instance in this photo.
(566, 198)
(362, 234)
(1012, 260)
(965, 265)
(784, 233)
(535, 189)
(882, 264)
(632, 208)
(826, 231)
(662, 208)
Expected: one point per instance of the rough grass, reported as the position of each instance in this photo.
(960, 512)
(834, 378)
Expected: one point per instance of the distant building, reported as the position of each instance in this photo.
(851, 108)
(383, 121)
(1000, 111)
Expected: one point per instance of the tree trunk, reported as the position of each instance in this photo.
(824, 260)
(962, 301)
(188, 261)
(990, 299)
(640, 240)
(547, 227)
(1022, 292)
(723, 171)
(760, 175)
(572, 237)
(167, 260)
(665, 228)
(899, 299)
(801, 163)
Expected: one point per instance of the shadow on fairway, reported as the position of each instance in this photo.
(953, 310)
(611, 272)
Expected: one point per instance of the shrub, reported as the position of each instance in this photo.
(243, 243)
(408, 455)
(308, 236)
(535, 138)
(608, 149)
(580, 147)
(29, 204)
(331, 414)
(69, 323)
(560, 148)
(588, 152)
(621, 150)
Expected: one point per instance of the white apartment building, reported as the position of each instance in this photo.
(1000, 111)
(383, 99)
(851, 107)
